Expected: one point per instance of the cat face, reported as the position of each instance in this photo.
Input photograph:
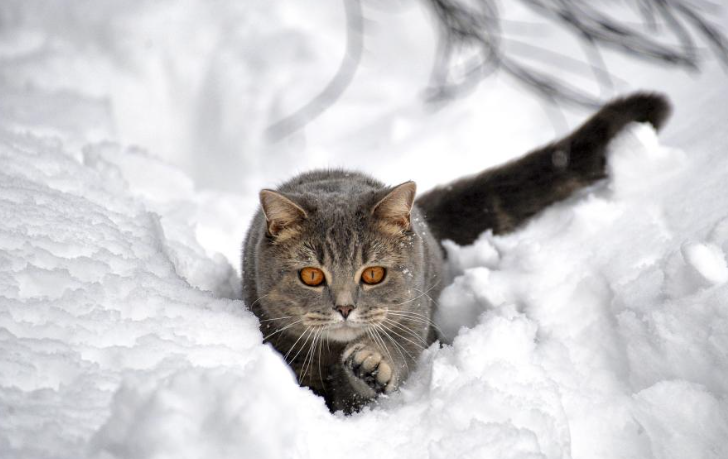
(339, 267)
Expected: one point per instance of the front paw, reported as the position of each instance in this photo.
(367, 365)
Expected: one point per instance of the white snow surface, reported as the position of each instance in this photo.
(598, 330)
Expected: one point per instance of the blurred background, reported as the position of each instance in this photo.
(241, 95)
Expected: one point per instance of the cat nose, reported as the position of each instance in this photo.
(345, 310)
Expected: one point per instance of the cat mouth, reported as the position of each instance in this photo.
(340, 329)
(345, 330)
(346, 324)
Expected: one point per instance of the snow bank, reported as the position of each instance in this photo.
(94, 290)
(632, 323)
(599, 330)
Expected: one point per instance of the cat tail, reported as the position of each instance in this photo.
(503, 198)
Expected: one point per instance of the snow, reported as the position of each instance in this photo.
(129, 167)
(630, 314)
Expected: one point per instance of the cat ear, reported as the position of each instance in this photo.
(280, 212)
(394, 209)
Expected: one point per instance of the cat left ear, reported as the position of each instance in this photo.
(395, 208)
(280, 212)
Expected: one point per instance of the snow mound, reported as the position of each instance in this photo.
(92, 290)
(599, 330)
(632, 323)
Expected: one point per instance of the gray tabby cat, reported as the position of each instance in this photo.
(342, 271)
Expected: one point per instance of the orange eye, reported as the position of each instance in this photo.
(312, 276)
(373, 275)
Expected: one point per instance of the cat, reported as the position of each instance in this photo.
(343, 271)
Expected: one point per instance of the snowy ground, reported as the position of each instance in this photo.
(598, 331)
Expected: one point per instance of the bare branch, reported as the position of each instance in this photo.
(337, 86)
(475, 24)
(471, 47)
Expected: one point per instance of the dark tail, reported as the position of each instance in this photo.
(503, 198)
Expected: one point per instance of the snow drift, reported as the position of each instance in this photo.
(599, 330)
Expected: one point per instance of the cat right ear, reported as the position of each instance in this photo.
(395, 208)
(280, 212)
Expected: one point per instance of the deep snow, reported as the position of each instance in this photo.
(598, 330)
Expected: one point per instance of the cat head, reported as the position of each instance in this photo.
(337, 263)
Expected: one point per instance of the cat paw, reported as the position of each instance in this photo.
(369, 366)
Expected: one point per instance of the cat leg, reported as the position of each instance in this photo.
(371, 371)
(365, 371)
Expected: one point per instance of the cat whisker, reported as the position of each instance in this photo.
(434, 286)
(308, 348)
(413, 315)
(397, 345)
(374, 335)
(321, 378)
(421, 295)
(407, 330)
(426, 294)
(259, 298)
(407, 339)
(416, 317)
(379, 343)
(310, 354)
(373, 315)
(371, 319)
(282, 329)
(316, 316)
(276, 318)
(319, 320)
(407, 313)
(306, 331)
(409, 301)
(314, 348)
(320, 323)
(382, 331)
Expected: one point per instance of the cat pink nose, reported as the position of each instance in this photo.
(345, 310)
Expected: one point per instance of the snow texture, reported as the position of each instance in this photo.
(599, 330)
